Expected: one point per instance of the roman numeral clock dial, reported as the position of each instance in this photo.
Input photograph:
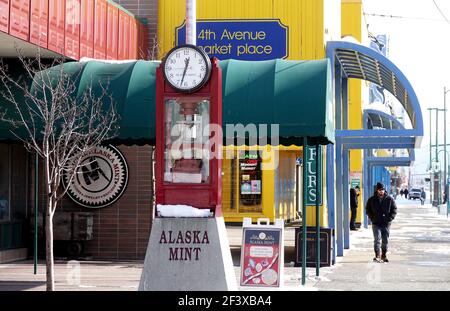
(186, 68)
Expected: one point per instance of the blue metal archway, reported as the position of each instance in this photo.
(352, 60)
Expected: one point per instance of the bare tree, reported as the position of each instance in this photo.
(152, 51)
(59, 122)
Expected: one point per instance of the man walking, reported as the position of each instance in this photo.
(381, 210)
(354, 193)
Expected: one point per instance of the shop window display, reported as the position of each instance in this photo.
(250, 182)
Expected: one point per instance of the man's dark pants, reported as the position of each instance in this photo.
(380, 237)
(353, 218)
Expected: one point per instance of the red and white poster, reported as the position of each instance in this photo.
(261, 257)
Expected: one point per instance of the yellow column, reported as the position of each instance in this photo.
(352, 25)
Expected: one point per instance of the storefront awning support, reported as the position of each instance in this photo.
(36, 210)
(305, 173)
(318, 195)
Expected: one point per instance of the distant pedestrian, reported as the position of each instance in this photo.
(406, 193)
(381, 209)
(423, 196)
(401, 192)
(354, 193)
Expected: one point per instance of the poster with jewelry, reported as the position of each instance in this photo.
(261, 254)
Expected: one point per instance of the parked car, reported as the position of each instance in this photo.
(414, 193)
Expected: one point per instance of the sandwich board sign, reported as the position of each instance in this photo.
(262, 253)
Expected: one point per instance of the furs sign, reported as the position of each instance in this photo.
(100, 180)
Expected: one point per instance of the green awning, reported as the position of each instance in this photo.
(294, 94)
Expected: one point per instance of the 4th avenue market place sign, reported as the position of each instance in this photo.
(255, 40)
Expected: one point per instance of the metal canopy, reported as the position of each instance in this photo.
(379, 119)
(352, 60)
(361, 62)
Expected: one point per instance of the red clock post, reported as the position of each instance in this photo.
(188, 247)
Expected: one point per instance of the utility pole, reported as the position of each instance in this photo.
(431, 165)
(437, 160)
(436, 176)
(445, 143)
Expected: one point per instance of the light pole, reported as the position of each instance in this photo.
(445, 144)
(446, 179)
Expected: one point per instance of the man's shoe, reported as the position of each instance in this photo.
(384, 258)
(377, 257)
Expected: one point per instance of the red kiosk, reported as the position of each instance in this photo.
(189, 100)
(187, 252)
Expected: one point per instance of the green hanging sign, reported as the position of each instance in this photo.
(311, 176)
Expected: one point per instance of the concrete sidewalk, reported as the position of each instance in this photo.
(419, 255)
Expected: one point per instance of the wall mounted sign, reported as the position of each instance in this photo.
(260, 39)
(312, 181)
(262, 254)
(355, 179)
(101, 179)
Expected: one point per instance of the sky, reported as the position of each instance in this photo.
(420, 47)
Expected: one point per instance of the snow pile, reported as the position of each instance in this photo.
(181, 211)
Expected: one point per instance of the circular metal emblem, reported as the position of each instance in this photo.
(101, 178)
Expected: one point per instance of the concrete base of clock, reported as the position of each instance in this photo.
(188, 254)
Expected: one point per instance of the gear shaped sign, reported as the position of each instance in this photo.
(101, 178)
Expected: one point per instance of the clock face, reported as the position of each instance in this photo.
(187, 68)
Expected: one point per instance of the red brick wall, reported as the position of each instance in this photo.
(122, 230)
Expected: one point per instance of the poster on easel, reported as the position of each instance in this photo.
(262, 254)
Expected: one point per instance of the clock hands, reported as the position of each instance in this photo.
(186, 62)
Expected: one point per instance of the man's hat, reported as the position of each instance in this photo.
(380, 186)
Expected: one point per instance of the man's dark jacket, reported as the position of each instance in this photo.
(353, 199)
(381, 212)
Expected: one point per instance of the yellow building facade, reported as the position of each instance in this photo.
(309, 24)
(353, 25)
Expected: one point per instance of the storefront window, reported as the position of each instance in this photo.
(250, 182)
(4, 183)
(186, 147)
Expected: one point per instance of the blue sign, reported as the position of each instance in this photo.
(240, 39)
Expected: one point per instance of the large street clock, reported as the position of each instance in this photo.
(186, 68)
